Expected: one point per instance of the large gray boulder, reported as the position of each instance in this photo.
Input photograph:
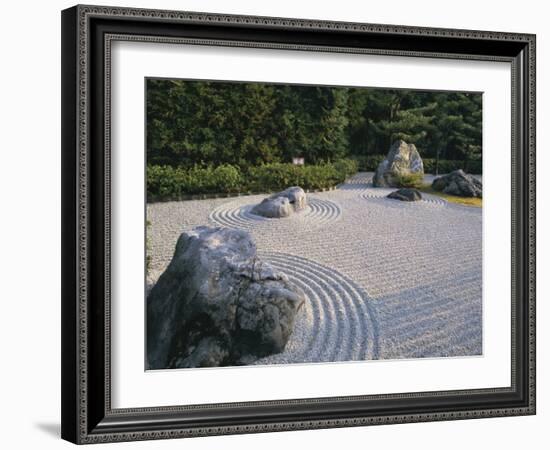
(458, 183)
(282, 204)
(273, 208)
(217, 304)
(403, 159)
(295, 195)
(406, 195)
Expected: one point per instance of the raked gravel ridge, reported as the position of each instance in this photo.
(384, 279)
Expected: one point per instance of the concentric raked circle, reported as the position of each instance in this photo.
(334, 324)
(237, 214)
(381, 194)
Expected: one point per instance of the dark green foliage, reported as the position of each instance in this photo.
(205, 123)
(172, 182)
(167, 182)
(243, 124)
(369, 163)
(448, 166)
(442, 125)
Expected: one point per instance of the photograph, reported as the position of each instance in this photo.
(298, 224)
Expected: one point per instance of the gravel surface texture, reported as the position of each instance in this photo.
(384, 279)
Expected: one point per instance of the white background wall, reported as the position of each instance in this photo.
(30, 222)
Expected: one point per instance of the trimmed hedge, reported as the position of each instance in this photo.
(370, 164)
(173, 182)
(166, 182)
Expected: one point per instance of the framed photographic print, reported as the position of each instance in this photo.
(280, 224)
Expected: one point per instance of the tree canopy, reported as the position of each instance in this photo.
(204, 123)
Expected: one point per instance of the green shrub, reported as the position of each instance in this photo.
(277, 176)
(271, 176)
(226, 178)
(368, 163)
(166, 182)
(409, 180)
(348, 167)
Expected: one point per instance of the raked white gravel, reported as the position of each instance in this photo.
(384, 279)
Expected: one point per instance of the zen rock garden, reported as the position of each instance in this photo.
(218, 304)
(292, 223)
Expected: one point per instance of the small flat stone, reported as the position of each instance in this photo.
(406, 195)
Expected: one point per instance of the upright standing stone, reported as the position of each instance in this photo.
(402, 159)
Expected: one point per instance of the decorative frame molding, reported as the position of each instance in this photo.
(88, 31)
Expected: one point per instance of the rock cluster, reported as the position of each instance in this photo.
(217, 304)
(406, 195)
(458, 183)
(402, 160)
(282, 204)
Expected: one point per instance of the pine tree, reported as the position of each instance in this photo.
(210, 123)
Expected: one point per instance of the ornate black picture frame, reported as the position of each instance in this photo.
(87, 34)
